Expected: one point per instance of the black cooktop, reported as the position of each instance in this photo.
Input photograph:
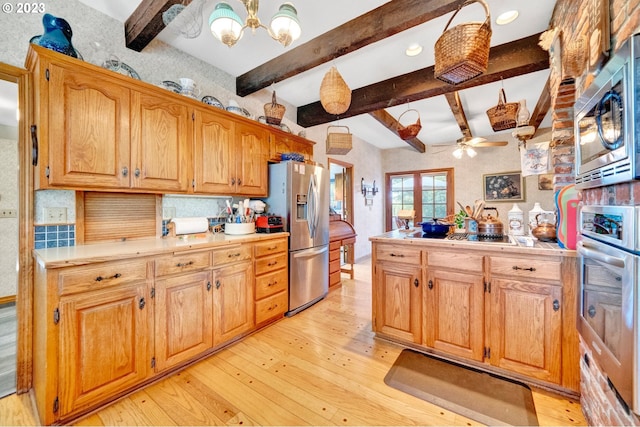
(464, 237)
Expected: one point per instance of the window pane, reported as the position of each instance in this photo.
(440, 196)
(427, 181)
(440, 211)
(427, 197)
(407, 199)
(440, 181)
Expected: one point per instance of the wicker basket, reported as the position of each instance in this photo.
(409, 131)
(504, 115)
(274, 111)
(335, 95)
(339, 142)
(462, 52)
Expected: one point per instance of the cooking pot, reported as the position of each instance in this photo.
(490, 227)
(434, 228)
(545, 230)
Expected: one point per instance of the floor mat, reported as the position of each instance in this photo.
(483, 397)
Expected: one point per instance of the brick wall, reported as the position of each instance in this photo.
(575, 21)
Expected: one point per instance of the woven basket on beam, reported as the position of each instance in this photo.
(462, 52)
(335, 95)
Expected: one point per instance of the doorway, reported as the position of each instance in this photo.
(16, 208)
(341, 189)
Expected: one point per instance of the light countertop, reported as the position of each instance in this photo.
(414, 237)
(98, 252)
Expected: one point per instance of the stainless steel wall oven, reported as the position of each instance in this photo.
(609, 250)
(606, 133)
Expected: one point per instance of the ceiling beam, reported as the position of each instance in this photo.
(389, 19)
(507, 60)
(145, 23)
(453, 98)
(388, 121)
(542, 107)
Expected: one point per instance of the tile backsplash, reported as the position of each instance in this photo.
(54, 236)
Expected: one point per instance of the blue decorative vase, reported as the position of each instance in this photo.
(57, 36)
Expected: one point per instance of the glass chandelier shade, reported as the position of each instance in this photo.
(227, 26)
(458, 152)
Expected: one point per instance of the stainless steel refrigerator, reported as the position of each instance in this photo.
(300, 194)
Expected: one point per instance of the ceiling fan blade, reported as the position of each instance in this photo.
(491, 144)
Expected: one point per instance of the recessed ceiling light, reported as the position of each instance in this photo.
(507, 17)
(413, 50)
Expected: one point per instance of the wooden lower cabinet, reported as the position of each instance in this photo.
(232, 301)
(183, 318)
(512, 313)
(104, 328)
(105, 345)
(398, 300)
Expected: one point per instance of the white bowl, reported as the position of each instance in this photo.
(235, 228)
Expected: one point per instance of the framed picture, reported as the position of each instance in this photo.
(503, 187)
(545, 181)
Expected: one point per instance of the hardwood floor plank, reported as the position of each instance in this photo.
(17, 409)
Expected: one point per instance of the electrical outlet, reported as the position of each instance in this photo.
(168, 213)
(55, 215)
(8, 213)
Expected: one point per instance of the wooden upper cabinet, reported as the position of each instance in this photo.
(214, 153)
(161, 138)
(88, 132)
(252, 149)
(282, 142)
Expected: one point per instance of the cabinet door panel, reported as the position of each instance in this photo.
(399, 301)
(161, 141)
(215, 156)
(233, 309)
(104, 341)
(184, 324)
(252, 169)
(454, 313)
(526, 322)
(88, 130)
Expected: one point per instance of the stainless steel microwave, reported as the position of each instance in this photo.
(606, 133)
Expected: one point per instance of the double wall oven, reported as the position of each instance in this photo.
(609, 250)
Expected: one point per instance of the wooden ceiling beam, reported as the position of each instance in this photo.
(388, 121)
(507, 60)
(389, 19)
(453, 98)
(145, 23)
(542, 107)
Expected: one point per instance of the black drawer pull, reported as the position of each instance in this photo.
(115, 276)
(234, 255)
(184, 264)
(515, 267)
(271, 264)
(398, 255)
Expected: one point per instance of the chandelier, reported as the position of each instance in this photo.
(227, 26)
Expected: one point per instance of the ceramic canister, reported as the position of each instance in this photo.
(516, 221)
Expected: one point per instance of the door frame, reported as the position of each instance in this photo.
(24, 300)
(348, 186)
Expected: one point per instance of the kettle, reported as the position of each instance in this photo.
(490, 227)
(545, 229)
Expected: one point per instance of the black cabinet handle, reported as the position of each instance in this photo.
(208, 285)
(115, 276)
(397, 255)
(591, 311)
(430, 285)
(556, 305)
(184, 264)
(515, 267)
(416, 282)
(218, 284)
(34, 145)
(142, 303)
(125, 171)
(137, 172)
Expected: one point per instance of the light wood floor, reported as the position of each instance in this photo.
(320, 367)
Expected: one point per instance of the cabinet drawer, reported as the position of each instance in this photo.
(334, 278)
(334, 245)
(334, 254)
(275, 262)
(270, 247)
(273, 306)
(398, 253)
(180, 263)
(334, 266)
(84, 278)
(460, 261)
(349, 241)
(229, 255)
(271, 283)
(527, 268)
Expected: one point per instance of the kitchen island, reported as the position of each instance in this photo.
(499, 306)
(112, 317)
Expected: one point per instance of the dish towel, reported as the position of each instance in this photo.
(535, 158)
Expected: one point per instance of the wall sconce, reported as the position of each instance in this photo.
(368, 189)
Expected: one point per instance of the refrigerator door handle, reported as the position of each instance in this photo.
(309, 254)
(313, 207)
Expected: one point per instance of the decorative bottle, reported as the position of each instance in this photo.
(522, 118)
(533, 223)
(516, 221)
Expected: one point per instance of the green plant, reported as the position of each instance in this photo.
(458, 219)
